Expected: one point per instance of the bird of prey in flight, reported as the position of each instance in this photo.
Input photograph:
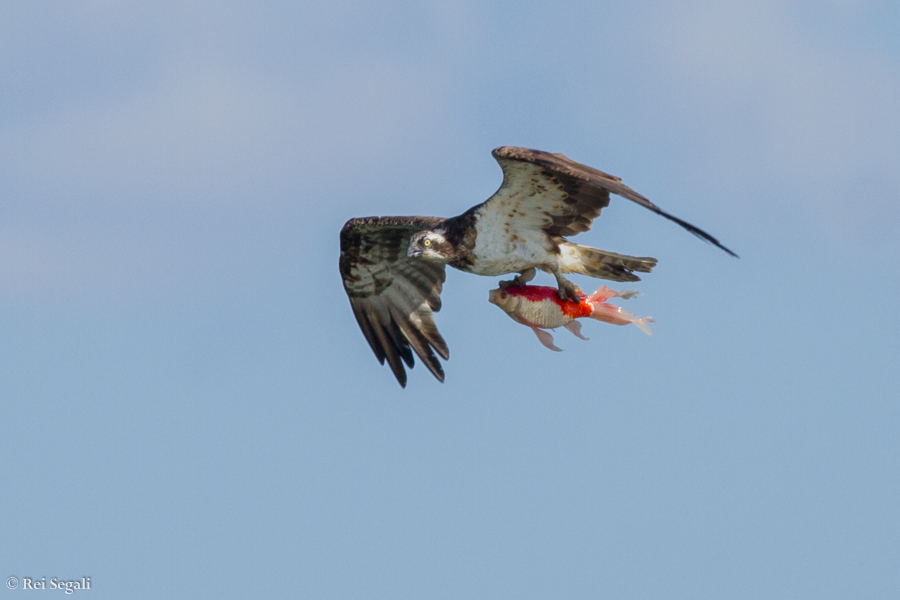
(393, 267)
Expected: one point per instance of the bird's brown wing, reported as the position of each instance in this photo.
(394, 298)
(561, 196)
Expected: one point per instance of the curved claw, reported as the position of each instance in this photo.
(519, 280)
(567, 290)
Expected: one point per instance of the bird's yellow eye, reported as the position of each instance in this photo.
(426, 243)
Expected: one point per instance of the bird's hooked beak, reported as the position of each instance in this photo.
(413, 252)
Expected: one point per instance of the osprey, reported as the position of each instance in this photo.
(393, 267)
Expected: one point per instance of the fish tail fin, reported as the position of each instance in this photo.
(593, 262)
(616, 315)
(602, 295)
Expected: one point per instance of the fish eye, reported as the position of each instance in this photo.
(426, 243)
(503, 295)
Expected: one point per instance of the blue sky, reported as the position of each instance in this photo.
(190, 410)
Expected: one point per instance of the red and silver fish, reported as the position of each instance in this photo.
(540, 308)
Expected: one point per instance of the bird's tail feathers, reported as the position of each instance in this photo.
(593, 262)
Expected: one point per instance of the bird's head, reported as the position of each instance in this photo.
(431, 245)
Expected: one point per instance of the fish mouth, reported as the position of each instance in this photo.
(492, 296)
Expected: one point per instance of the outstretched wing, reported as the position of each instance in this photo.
(394, 298)
(561, 196)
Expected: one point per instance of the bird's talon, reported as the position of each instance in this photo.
(567, 291)
(515, 281)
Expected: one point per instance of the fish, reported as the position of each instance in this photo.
(540, 308)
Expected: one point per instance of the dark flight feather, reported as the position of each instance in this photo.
(394, 297)
(586, 188)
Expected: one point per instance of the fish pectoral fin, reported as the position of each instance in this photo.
(546, 339)
(575, 328)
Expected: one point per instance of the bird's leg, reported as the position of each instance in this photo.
(519, 280)
(525, 276)
(567, 289)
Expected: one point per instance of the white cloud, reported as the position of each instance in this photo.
(213, 135)
(218, 118)
(201, 138)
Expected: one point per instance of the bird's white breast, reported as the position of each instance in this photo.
(503, 246)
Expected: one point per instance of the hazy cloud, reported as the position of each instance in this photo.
(119, 182)
(828, 132)
(130, 130)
